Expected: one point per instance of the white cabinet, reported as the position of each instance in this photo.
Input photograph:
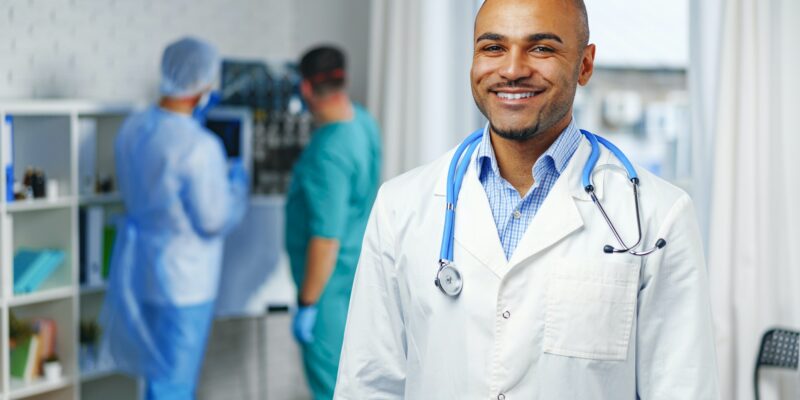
(46, 135)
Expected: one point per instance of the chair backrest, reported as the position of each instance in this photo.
(780, 348)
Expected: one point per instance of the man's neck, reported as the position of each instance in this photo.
(337, 108)
(179, 106)
(515, 158)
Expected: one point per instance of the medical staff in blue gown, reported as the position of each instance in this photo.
(333, 186)
(181, 198)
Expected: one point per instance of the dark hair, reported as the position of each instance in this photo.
(324, 67)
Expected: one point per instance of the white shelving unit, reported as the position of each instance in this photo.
(46, 136)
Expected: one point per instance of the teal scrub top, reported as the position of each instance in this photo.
(334, 184)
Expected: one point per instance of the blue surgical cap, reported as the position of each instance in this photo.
(188, 67)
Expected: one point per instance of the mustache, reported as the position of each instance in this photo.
(516, 85)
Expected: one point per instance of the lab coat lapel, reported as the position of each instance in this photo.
(558, 216)
(475, 229)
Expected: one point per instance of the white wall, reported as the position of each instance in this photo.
(110, 49)
(341, 22)
(634, 33)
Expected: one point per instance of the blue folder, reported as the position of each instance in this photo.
(33, 267)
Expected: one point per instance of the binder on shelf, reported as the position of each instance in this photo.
(109, 236)
(8, 155)
(46, 330)
(87, 155)
(33, 267)
(92, 234)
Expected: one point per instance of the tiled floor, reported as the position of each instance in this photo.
(253, 358)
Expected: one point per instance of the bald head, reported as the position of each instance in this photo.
(577, 7)
(528, 58)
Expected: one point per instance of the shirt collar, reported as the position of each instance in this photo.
(484, 155)
(557, 155)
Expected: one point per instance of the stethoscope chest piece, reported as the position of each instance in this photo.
(448, 280)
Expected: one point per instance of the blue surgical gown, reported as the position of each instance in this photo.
(180, 202)
(333, 186)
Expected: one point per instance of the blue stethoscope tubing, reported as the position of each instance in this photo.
(455, 177)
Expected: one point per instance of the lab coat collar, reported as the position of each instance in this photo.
(572, 173)
(475, 229)
(559, 216)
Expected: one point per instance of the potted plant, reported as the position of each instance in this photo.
(89, 336)
(18, 331)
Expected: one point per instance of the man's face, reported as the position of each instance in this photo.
(528, 59)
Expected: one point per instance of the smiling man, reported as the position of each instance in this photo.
(520, 297)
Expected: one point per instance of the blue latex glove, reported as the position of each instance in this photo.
(303, 324)
(237, 173)
(207, 102)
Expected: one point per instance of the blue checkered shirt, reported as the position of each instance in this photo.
(513, 214)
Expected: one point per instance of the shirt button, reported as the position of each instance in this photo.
(501, 397)
(517, 214)
(507, 314)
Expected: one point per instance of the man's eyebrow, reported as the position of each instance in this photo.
(496, 37)
(540, 37)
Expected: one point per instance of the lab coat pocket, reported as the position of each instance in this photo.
(590, 308)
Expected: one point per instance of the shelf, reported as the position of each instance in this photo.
(41, 296)
(41, 204)
(20, 389)
(98, 373)
(93, 289)
(101, 199)
(268, 200)
(67, 106)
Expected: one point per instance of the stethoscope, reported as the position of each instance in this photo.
(448, 278)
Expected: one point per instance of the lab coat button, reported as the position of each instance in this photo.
(501, 397)
(507, 314)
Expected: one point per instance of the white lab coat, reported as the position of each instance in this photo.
(560, 320)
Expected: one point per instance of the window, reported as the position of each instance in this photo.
(638, 95)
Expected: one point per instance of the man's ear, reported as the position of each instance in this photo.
(587, 65)
(306, 90)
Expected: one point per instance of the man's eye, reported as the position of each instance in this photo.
(542, 49)
(493, 48)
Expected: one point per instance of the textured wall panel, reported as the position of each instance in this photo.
(110, 49)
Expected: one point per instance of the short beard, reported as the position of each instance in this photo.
(519, 135)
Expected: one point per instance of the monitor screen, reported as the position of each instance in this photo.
(230, 131)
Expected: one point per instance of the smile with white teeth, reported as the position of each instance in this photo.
(515, 96)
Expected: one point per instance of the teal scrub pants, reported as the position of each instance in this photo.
(321, 357)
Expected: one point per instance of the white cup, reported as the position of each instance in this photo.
(52, 189)
(52, 370)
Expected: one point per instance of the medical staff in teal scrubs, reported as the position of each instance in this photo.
(333, 186)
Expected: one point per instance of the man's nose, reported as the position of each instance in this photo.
(515, 66)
